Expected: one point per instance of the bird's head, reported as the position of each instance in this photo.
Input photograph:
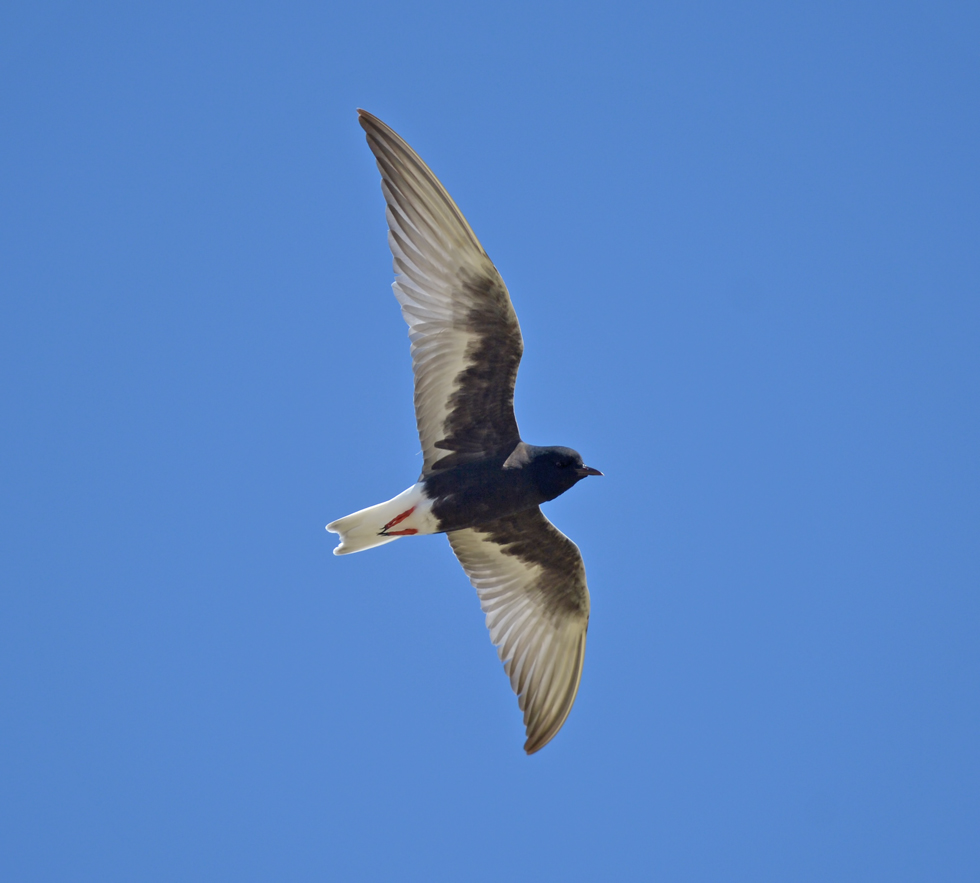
(556, 469)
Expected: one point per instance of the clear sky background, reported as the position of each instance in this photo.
(742, 241)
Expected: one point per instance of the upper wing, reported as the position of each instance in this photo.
(466, 343)
(531, 583)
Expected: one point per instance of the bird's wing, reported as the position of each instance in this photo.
(466, 343)
(531, 583)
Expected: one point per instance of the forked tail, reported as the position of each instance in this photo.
(404, 515)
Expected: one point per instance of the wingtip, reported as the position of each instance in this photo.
(533, 746)
(369, 120)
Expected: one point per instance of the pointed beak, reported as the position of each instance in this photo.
(582, 471)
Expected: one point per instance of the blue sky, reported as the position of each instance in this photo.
(742, 241)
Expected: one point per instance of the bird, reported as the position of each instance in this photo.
(481, 484)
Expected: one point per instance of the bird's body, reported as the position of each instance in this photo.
(480, 483)
(475, 493)
(465, 496)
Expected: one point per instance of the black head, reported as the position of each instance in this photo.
(555, 470)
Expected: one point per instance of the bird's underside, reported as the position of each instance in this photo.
(466, 347)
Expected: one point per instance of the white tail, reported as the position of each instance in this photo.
(404, 515)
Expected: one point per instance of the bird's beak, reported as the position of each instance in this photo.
(582, 471)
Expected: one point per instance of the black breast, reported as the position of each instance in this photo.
(475, 493)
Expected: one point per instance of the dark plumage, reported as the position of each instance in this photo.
(480, 484)
(483, 490)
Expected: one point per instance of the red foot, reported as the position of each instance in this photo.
(397, 520)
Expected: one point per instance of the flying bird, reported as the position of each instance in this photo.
(481, 485)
